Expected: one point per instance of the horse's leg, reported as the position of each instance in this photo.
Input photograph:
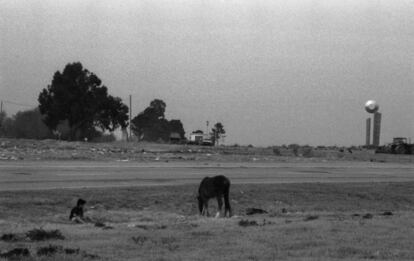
(205, 208)
(227, 203)
(220, 206)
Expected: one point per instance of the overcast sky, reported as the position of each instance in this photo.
(272, 71)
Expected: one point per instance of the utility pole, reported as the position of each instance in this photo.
(130, 113)
(1, 110)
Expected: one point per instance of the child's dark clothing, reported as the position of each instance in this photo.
(76, 212)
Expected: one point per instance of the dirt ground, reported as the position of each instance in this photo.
(329, 206)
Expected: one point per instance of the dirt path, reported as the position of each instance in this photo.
(27, 175)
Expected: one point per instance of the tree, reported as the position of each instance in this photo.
(29, 125)
(177, 126)
(151, 125)
(217, 132)
(3, 117)
(4, 122)
(78, 97)
(158, 106)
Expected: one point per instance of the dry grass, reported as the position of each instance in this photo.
(305, 222)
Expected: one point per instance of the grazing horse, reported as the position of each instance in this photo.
(210, 187)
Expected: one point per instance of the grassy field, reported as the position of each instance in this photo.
(349, 221)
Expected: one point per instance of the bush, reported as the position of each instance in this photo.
(307, 152)
(105, 138)
(15, 253)
(9, 237)
(41, 234)
(247, 223)
(276, 151)
(49, 250)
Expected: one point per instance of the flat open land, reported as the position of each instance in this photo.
(145, 208)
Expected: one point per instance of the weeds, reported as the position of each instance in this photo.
(15, 253)
(52, 250)
(247, 223)
(202, 233)
(49, 250)
(311, 217)
(72, 251)
(387, 213)
(9, 237)
(367, 216)
(103, 225)
(140, 240)
(167, 242)
(40, 234)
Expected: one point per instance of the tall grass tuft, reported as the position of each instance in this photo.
(39, 234)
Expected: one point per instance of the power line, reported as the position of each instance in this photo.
(19, 104)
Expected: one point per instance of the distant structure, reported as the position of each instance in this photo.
(368, 133)
(196, 137)
(199, 138)
(175, 137)
(377, 129)
(372, 107)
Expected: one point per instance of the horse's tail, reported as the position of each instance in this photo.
(226, 196)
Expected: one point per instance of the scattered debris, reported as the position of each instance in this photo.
(252, 211)
(41, 234)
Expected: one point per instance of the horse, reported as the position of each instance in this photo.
(218, 187)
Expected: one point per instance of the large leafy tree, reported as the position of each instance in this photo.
(77, 96)
(217, 132)
(29, 125)
(151, 125)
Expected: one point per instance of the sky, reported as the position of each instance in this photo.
(272, 72)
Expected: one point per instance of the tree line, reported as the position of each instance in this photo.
(77, 106)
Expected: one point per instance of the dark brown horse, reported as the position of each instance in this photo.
(214, 187)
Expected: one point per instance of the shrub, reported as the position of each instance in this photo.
(41, 234)
(9, 237)
(311, 217)
(247, 223)
(15, 253)
(49, 250)
(276, 151)
(307, 152)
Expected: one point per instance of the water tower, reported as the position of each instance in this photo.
(372, 107)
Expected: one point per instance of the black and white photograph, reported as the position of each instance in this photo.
(198, 130)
